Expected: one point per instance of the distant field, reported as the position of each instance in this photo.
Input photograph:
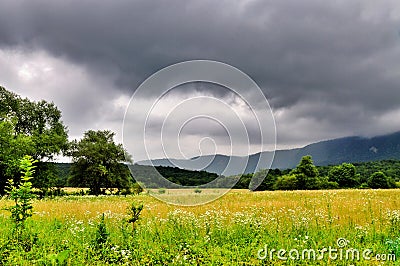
(232, 230)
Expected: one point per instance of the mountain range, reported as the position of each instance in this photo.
(329, 152)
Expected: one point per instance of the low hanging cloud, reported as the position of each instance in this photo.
(329, 69)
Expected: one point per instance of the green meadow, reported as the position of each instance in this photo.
(240, 228)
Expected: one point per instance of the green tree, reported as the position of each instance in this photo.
(392, 183)
(39, 120)
(378, 180)
(269, 178)
(9, 103)
(97, 162)
(344, 175)
(29, 128)
(13, 148)
(286, 182)
(243, 182)
(306, 173)
(324, 183)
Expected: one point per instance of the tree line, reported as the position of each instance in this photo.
(307, 176)
(98, 163)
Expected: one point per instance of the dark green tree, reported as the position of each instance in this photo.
(392, 183)
(243, 182)
(306, 173)
(269, 178)
(344, 175)
(97, 162)
(378, 180)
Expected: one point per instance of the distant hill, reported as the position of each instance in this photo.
(330, 152)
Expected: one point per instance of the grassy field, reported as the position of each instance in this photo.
(241, 228)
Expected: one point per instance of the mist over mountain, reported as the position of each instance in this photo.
(330, 152)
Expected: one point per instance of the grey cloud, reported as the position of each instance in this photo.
(332, 64)
(39, 76)
(286, 46)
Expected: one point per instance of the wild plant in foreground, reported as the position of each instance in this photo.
(21, 193)
(134, 211)
(102, 233)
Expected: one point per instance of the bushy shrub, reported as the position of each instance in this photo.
(344, 175)
(378, 180)
(392, 183)
(286, 182)
(324, 183)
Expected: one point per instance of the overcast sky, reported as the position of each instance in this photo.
(328, 68)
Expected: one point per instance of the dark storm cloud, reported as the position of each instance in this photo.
(201, 87)
(323, 62)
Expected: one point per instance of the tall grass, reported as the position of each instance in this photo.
(228, 231)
